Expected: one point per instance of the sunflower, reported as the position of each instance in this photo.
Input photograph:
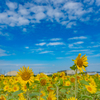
(49, 88)
(51, 96)
(72, 79)
(2, 97)
(15, 88)
(90, 88)
(6, 87)
(81, 62)
(21, 97)
(71, 98)
(43, 81)
(25, 74)
(67, 83)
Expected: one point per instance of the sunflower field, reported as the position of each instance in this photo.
(26, 86)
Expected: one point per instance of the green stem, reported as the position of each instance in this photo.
(57, 92)
(76, 84)
(28, 95)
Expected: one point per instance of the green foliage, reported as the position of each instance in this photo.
(27, 84)
(86, 96)
(34, 94)
(17, 92)
(73, 67)
(84, 82)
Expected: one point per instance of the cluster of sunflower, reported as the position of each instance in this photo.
(26, 86)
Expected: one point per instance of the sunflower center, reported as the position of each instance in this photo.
(43, 82)
(89, 88)
(15, 88)
(80, 62)
(25, 76)
(49, 98)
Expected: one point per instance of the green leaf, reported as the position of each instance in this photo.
(34, 94)
(84, 82)
(52, 88)
(60, 82)
(68, 96)
(73, 67)
(17, 92)
(44, 97)
(63, 90)
(86, 96)
(27, 84)
(33, 99)
(72, 59)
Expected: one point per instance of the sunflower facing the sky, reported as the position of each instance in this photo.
(25, 74)
(81, 62)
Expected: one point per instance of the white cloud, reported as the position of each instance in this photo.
(96, 46)
(79, 42)
(66, 14)
(27, 47)
(39, 49)
(3, 53)
(39, 16)
(76, 45)
(89, 2)
(55, 39)
(96, 55)
(74, 8)
(78, 50)
(77, 38)
(70, 24)
(57, 1)
(24, 30)
(55, 43)
(41, 1)
(41, 44)
(72, 46)
(11, 5)
(75, 31)
(45, 52)
(23, 10)
(98, 2)
(22, 21)
(4, 34)
(54, 14)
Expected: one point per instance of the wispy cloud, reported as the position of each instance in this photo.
(78, 50)
(77, 38)
(45, 52)
(3, 53)
(34, 13)
(88, 2)
(41, 44)
(76, 45)
(55, 39)
(24, 30)
(79, 42)
(98, 2)
(27, 47)
(4, 34)
(55, 43)
(96, 46)
(11, 5)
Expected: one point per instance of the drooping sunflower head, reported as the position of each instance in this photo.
(81, 62)
(25, 73)
(2, 97)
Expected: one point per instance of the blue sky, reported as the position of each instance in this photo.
(47, 34)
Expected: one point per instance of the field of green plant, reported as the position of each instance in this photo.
(26, 86)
